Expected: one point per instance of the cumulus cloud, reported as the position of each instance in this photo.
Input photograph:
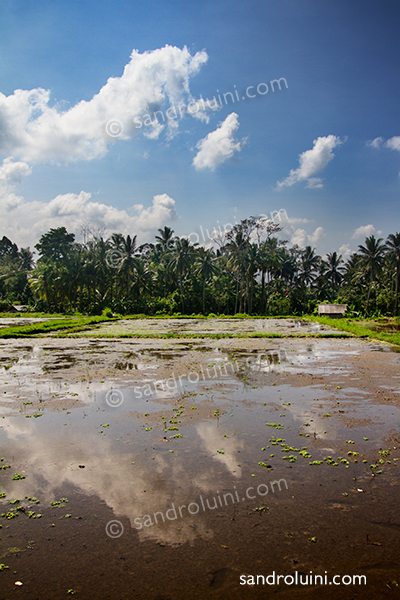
(393, 143)
(35, 131)
(316, 235)
(345, 250)
(24, 222)
(219, 145)
(312, 162)
(363, 231)
(301, 238)
(298, 235)
(11, 173)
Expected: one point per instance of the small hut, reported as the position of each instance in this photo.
(334, 311)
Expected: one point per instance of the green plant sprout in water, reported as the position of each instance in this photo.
(58, 503)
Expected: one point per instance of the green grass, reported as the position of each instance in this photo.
(359, 330)
(215, 336)
(70, 324)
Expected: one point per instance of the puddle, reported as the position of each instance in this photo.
(209, 479)
(208, 327)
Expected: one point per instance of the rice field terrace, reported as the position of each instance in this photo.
(230, 448)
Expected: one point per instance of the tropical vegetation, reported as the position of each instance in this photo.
(250, 270)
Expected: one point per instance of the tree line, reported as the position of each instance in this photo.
(247, 270)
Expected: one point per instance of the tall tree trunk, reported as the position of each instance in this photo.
(263, 291)
(248, 292)
(236, 296)
(181, 291)
(369, 293)
(251, 295)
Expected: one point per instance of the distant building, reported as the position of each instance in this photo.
(18, 308)
(334, 311)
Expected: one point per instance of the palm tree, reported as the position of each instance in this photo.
(334, 269)
(128, 261)
(309, 265)
(237, 247)
(373, 254)
(267, 261)
(144, 279)
(42, 281)
(180, 261)
(286, 266)
(251, 266)
(26, 259)
(207, 267)
(393, 245)
(165, 238)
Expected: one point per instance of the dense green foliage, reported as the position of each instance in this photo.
(251, 271)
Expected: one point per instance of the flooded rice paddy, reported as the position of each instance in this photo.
(208, 327)
(166, 469)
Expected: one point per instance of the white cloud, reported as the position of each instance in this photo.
(376, 143)
(154, 217)
(24, 222)
(315, 183)
(299, 237)
(11, 173)
(316, 235)
(219, 145)
(302, 238)
(312, 162)
(363, 231)
(345, 251)
(394, 143)
(35, 131)
(294, 220)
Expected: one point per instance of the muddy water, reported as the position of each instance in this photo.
(151, 452)
(209, 327)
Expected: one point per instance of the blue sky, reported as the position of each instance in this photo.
(326, 148)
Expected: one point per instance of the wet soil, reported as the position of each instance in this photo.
(176, 327)
(176, 466)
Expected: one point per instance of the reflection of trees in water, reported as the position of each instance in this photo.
(271, 360)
